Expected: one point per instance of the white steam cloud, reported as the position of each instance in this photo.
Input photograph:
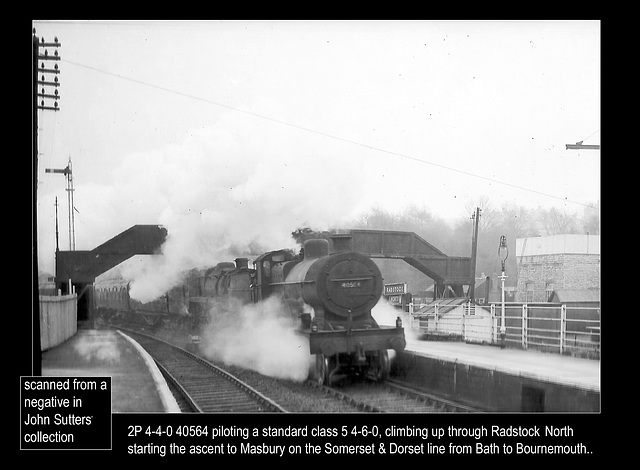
(262, 337)
(259, 336)
(98, 346)
(386, 314)
(224, 193)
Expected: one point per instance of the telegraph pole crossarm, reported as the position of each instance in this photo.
(43, 70)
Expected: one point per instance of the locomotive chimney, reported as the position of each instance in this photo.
(316, 248)
(242, 262)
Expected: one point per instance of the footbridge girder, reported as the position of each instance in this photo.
(84, 266)
(80, 268)
(451, 271)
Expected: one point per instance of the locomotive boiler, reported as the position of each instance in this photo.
(332, 295)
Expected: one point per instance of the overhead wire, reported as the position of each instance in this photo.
(324, 134)
(590, 135)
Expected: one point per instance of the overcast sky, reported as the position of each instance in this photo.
(234, 133)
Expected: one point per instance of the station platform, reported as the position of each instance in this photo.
(136, 382)
(537, 365)
(502, 379)
(487, 377)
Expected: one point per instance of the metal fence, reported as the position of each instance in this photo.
(550, 327)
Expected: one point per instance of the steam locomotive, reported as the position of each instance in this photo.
(331, 294)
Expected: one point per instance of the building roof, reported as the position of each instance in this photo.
(444, 305)
(576, 295)
(558, 244)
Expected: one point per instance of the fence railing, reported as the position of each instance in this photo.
(550, 327)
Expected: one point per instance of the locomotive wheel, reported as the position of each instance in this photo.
(323, 370)
(382, 365)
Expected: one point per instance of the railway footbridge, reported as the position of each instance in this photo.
(79, 269)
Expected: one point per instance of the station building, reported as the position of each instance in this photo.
(557, 263)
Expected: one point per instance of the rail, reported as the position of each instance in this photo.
(550, 327)
(206, 386)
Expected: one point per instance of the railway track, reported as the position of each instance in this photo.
(391, 396)
(202, 386)
(352, 395)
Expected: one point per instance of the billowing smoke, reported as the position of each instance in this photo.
(259, 336)
(386, 314)
(226, 192)
(262, 337)
(98, 345)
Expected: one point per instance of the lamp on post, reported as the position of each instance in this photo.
(503, 254)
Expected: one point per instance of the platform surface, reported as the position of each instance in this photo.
(136, 382)
(138, 386)
(548, 367)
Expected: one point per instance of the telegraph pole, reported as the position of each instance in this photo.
(57, 245)
(474, 254)
(37, 57)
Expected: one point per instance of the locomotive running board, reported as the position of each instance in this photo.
(343, 341)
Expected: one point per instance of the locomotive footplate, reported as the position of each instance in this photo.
(333, 342)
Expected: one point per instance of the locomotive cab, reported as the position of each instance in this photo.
(270, 271)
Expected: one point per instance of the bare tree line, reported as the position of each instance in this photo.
(454, 238)
(513, 221)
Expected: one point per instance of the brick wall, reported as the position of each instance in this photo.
(565, 271)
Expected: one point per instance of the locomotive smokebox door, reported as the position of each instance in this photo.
(349, 284)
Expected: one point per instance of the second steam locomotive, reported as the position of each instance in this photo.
(331, 294)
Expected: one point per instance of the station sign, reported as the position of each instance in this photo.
(394, 299)
(395, 289)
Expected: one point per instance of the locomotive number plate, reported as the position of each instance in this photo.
(351, 285)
